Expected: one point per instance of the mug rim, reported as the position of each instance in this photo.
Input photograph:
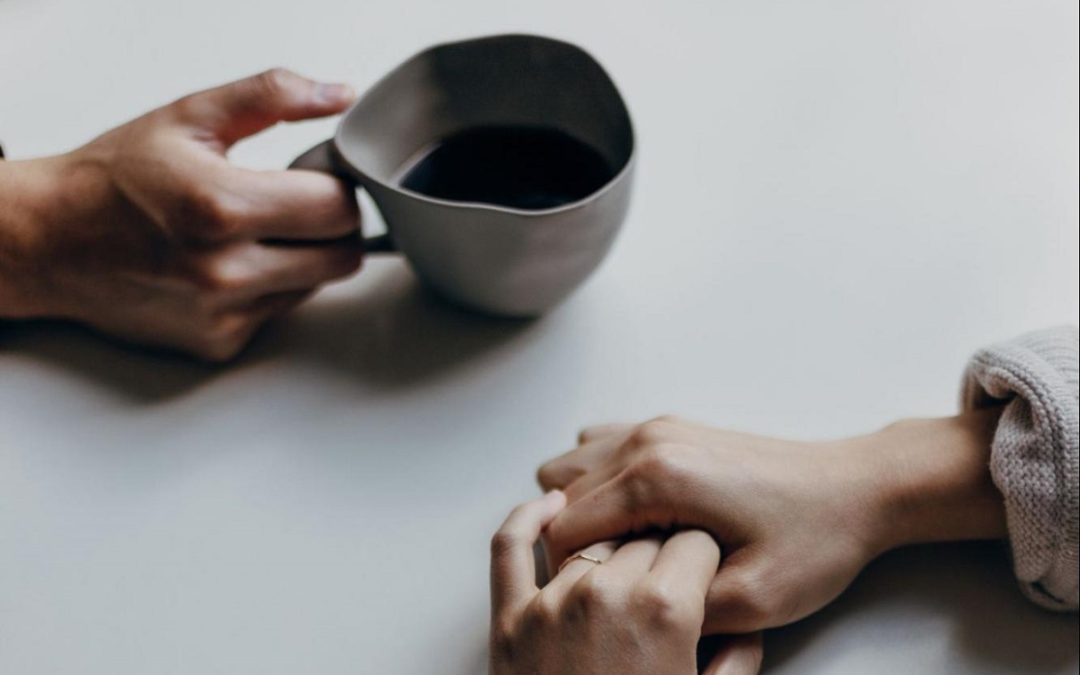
(364, 178)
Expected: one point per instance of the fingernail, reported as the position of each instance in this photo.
(334, 94)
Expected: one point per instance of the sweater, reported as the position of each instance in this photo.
(1033, 457)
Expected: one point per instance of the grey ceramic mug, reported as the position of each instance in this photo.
(499, 260)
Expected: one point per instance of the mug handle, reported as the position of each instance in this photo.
(321, 158)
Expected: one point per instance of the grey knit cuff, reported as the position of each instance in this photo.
(1034, 454)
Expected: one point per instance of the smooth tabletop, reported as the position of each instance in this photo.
(837, 202)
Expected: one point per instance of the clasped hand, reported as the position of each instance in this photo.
(704, 531)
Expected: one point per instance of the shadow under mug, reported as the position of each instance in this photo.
(490, 258)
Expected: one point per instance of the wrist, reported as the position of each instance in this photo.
(30, 200)
(933, 481)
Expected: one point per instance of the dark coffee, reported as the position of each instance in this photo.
(514, 166)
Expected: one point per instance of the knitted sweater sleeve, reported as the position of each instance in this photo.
(1033, 458)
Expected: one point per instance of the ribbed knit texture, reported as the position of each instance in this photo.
(1034, 454)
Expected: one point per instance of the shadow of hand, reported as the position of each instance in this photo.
(967, 590)
(384, 329)
(394, 334)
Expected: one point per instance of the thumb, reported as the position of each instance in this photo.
(739, 655)
(239, 109)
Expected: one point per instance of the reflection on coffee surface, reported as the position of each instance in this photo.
(514, 166)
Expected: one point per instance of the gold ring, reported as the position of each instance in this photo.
(582, 556)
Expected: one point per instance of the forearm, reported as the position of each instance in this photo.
(28, 194)
(933, 480)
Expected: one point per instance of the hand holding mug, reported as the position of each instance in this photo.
(150, 234)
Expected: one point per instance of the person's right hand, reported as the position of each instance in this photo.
(150, 234)
(638, 611)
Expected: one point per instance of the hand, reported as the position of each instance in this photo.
(639, 611)
(796, 521)
(150, 234)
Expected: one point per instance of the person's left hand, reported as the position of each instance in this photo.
(639, 611)
(797, 521)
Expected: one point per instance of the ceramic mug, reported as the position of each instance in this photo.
(495, 259)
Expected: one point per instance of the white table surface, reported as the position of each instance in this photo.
(837, 202)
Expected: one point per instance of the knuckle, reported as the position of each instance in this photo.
(552, 474)
(212, 213)
(545, 475)
(223, 338)
(188, 106)
(200, 206)
(589, 434)
(219, 274)
(650, 433)
(758, 610)
(503, 637)
(638, 487)
(657, 475)
(665, 461)
(665, 607)
(545, 610)
(594, 594)
(503, 542)
(749, 597)
(274, 81)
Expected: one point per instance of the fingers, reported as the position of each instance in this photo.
(607, 444)
(689, 558)
(244, 272)
(745, 597)
(285, 268)
(295, 204)
(229, 331)
(219, 203)
(577, 568)
(619, 507)
(635, 558)
(513, 566)
(592, 479)
(276, 304)
(627, 562)
(739, 655)
(245, 107)
(558, 473)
